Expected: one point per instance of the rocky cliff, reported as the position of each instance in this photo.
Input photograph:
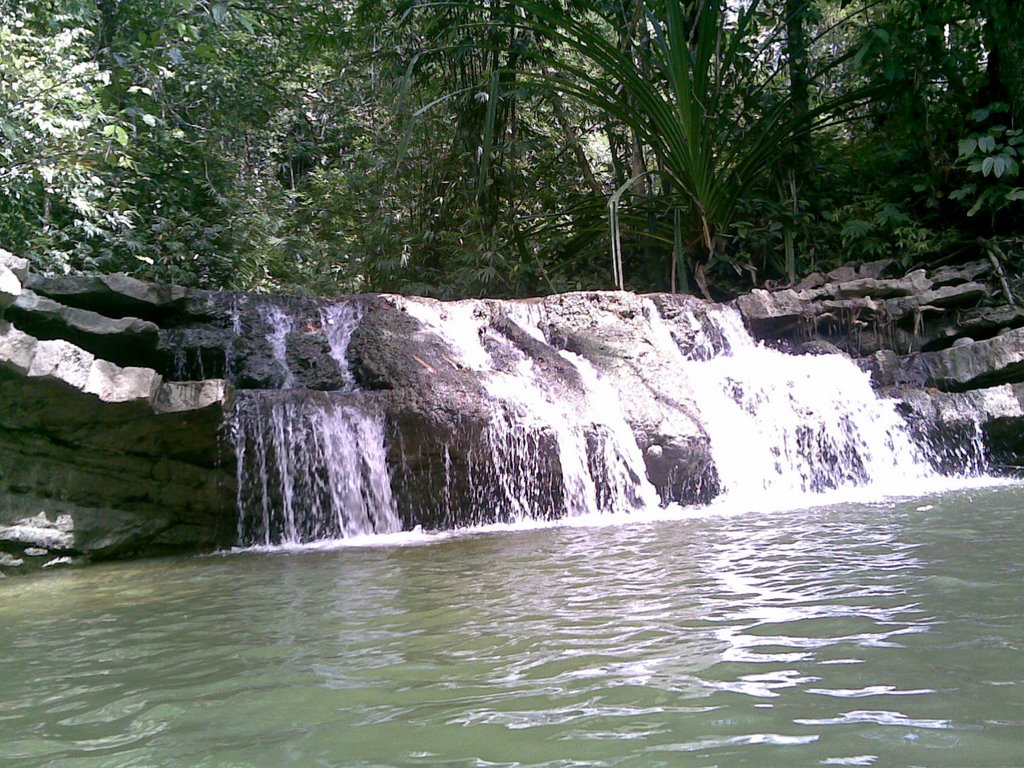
(143, 419)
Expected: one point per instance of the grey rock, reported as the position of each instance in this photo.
(964, 294)
(818, 347)
(813, 280)
(613, 332)
(772, 314)
(10, 288)
(126, 341)
(982, 364)
(17, 349)
(59, 561)
(181, 396)
(877, 269)
(914, 283)
(29, 532)
(115, 295)
(966, 273)
(9, 561)
(15, 264)
(36, 552)
(113, 384)
(62, 361)
(948, 424)
(842, 274)
(963, 342)
(308, 355)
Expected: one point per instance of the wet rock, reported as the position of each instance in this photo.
(59, 561)
(967, 430)
(972, 366)
(39, 533)
(36, 552)
(308, 357)
(613, 332)
(9, 561)
(818, 347)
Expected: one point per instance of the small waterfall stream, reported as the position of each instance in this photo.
(795, 424)
(314, 465)
(310, 466)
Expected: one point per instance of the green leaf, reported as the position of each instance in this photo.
(220, 12)
(1015, 194)
(986, 143)
(149, 120)
(967, 147)
(980, 115)
(121, 135)
(988, 165)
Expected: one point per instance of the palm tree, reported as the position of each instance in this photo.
(701, 96)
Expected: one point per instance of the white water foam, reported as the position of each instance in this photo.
(600, 462)
(280, 325)
(783, 426)
(310, 470)
(339, 322)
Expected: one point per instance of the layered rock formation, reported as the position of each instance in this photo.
(143, 419)
(99, 459)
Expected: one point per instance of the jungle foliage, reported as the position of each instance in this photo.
(507, 147)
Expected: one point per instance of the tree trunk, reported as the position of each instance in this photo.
(799, 82)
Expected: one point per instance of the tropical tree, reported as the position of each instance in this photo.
(705, 100)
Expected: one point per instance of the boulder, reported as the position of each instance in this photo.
(10, 288)
(967, 431)
(613, 332)
(980, 364)
(960, 295)
(772, 314)
(842, 274)
(14, 264)
(877, 269)
(964, 273)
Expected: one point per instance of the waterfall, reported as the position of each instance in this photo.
(310, 466)
(787, 425)
(600, 464)
(576, 413)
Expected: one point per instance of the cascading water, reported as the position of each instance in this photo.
(310, 466)
(599, 461)
(555, 439)
(788, 425)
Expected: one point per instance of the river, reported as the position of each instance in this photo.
(886, 634)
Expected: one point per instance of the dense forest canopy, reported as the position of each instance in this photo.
(507, 147)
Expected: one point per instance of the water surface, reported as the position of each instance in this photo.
(888, 634)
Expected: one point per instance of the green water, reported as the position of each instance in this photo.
(887, 635)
